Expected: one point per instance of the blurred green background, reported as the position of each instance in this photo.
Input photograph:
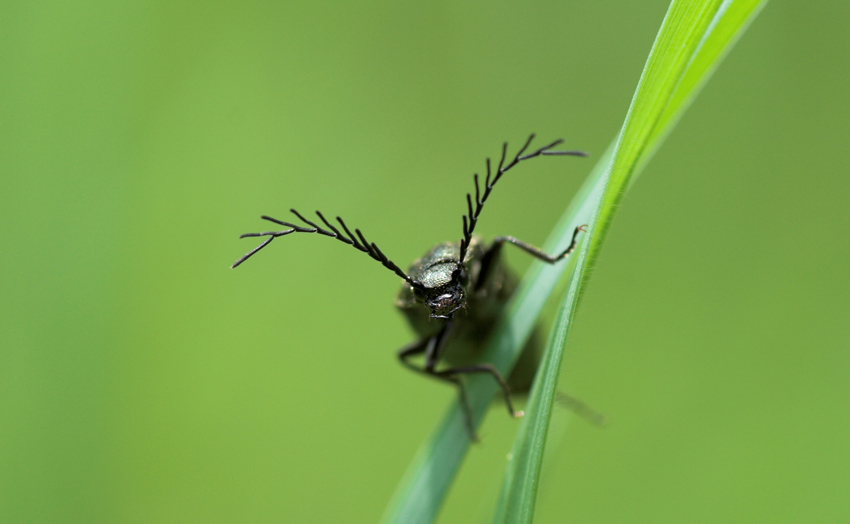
(141, 380)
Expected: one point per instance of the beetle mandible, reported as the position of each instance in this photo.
(462, 285)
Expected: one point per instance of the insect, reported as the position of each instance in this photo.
(455, 293)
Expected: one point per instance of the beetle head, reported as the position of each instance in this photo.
(444, 300)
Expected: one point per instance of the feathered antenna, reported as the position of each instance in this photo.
(363, 245)
(471, 218)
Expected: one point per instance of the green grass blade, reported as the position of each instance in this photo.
(519, 490)
(693, 39)
(730, 22)
(421, 492)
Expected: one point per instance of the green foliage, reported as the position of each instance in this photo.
(693, 39)
(141, 380)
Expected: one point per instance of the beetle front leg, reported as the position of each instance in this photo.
(536, 252)
(410, 350)
(486, 368)
(433, 348)
(491, 257)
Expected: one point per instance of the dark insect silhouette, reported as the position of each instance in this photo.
(462, 285)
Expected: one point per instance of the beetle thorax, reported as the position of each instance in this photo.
(442, 281)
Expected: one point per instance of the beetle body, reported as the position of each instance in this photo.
(455, 294)
(485, 297)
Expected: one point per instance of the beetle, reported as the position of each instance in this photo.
(453, 295)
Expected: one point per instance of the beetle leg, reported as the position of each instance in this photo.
(410, 350)
(486, 368)
(464, 404)
(488, 262)
(581, 409)
(433, 348)
(434, 351)
(536, 251)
